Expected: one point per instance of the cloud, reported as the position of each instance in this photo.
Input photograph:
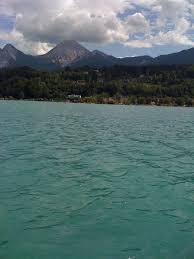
(137, 23)
(173, 9)
(40, 24)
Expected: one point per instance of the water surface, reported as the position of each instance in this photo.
(96, 181)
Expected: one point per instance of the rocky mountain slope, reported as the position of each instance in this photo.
(66, 53)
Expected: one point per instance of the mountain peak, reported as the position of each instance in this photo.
(67, 52)
(12, 51)
(98, 52)
(8, 47)
(68, 42)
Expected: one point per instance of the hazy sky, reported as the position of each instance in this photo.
(118, 27)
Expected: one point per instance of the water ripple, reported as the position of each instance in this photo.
(101, 181)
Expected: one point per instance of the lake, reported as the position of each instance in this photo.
(82, 181)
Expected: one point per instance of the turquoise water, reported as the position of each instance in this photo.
(96, 181)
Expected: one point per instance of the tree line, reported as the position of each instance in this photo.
(160, 85)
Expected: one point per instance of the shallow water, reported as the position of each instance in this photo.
(96, 181)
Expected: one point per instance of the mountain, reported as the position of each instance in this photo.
(12, 57)
(12, 52)
(99, 59)
(181, 58)
(71, 53)
(6, 58)
(66, 53)
(96, 59)
(4, 62)
(137, 61)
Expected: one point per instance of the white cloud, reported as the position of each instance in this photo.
(173, 9)
(135, 23)
(138, 44)
(182, 26)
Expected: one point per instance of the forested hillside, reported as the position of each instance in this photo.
(159, 85)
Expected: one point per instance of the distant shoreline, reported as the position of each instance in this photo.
(156, 86)
(86, 102)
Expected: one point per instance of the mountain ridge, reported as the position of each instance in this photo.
(71, 53)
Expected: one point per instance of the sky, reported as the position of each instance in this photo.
(117, 27)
